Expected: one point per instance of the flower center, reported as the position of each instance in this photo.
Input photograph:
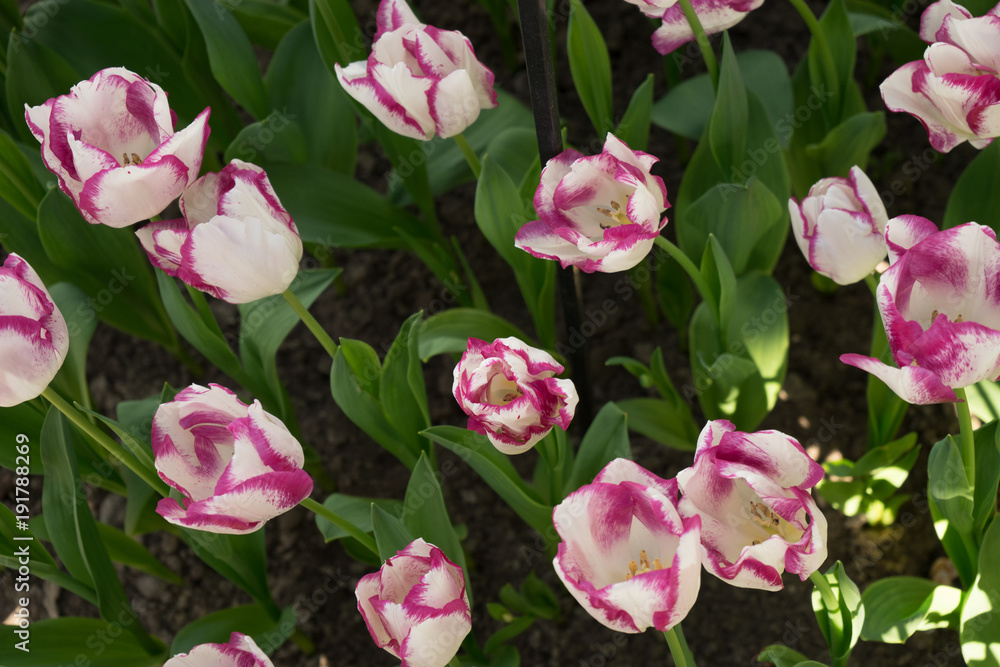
(935, 313)
(643, 566)
(135, 159)
(772, 523)
(616, 215)
(502, 391)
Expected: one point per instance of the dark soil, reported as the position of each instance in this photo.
(823, 404)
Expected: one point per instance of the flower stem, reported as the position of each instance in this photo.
(829, 597)
(968, 437)
(826, 55)
(103, 440)
(361, 536)
(455, 662)
(872, 283)
(691, 270)
(322, 336)
(707, 54)
(470, 155)
(679, 647)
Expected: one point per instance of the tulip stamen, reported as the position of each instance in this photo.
(643, 566)
(616, 213)
(135, 159)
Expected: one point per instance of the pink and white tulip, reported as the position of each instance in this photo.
(241, 651)
(941, 310)
(715, 16)
(419, 80)
(235, 241)
(955, 90)
(34, 339)
(511, 394)
(840, 227)
(111, 143)
(627, 555)
(235, 465)
(416, 607)
(758, 518)
(600, 213)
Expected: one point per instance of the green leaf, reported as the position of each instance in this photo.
(57, 643)
(231, 56)
(18, 184)
(987, 476)
(71, 380)
(841, 626)
(496, 470)
(687, 107)
(949, 486)
(239, 558)
(356, 510)
(306, 93)
(391, 535)
(897, 607)
(590, 66)
(22, 420)
(980, 622)
(265, 22)
(249, 619)
(727, 129)
(742, 218)
(666, 423)
(605, 440)
(718, 272)
(401, 390)
(780, 655)
(886, 410)
(109, 265)
(836, 26)
(425, 514)
(74, 532)
(450, 330)
(275, 139)
(634, 126)
(973, 197)
(849, 144)
(337, 33)
(335, 210)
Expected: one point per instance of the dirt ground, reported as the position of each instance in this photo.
(823, 404)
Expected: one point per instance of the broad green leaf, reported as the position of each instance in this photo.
(759, 326)
(337, 33)
(727, 129)
(897, 607)
(74, 532)
(24, 420)
(391, 535)
(949, 486)
(18, 184)
(355, 509)
(496, 470)
(634, 126)
(980, 622)
(780, 655)
(605, 440)
(303, 90)
(231, 55)
(841, 625)
(401, 390)
(973, 197)
(718, 272)
(249, 619)
(71, 380)
(265, 22)
(450, 330)
(661, 421)
(275, 139)
(590, 66)
(11, 534)
(58, 642)
(836, 26)
(425, 514)
(239, 558)
(109, 265)
(686, 108)
(142, 451)
(849, 144)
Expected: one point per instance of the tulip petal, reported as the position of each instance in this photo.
(393, 94)
(933, 18)
(715, 16)
(119, 197)
(905, 231)
(162, 241)
(913, 384)
(453, 103)
(958, 353)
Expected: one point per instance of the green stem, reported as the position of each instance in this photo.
(829, 597)
(361, 536)
(872, 283)
(826, 55)
(98, 436)
(455, 662)
(679, 647)
(707, 54)
(322, 336)
(692, 271)
(470, 155)
(968, 437)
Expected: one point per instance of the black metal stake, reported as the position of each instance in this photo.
(545, 108)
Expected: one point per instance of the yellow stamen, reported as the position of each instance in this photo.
(643, 566)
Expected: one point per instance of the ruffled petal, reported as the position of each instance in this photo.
(913, 384)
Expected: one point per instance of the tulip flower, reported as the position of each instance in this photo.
(241, 651)
(416, 607)
(235, 465)
(627, 555)
(419, 80)
(939, 305)
(111, 143)
(600, 213)
(955, 90)
(758, 518)
(34, 339)
(509, 391)
(715, 16)
(840, 227)
(235, 241)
